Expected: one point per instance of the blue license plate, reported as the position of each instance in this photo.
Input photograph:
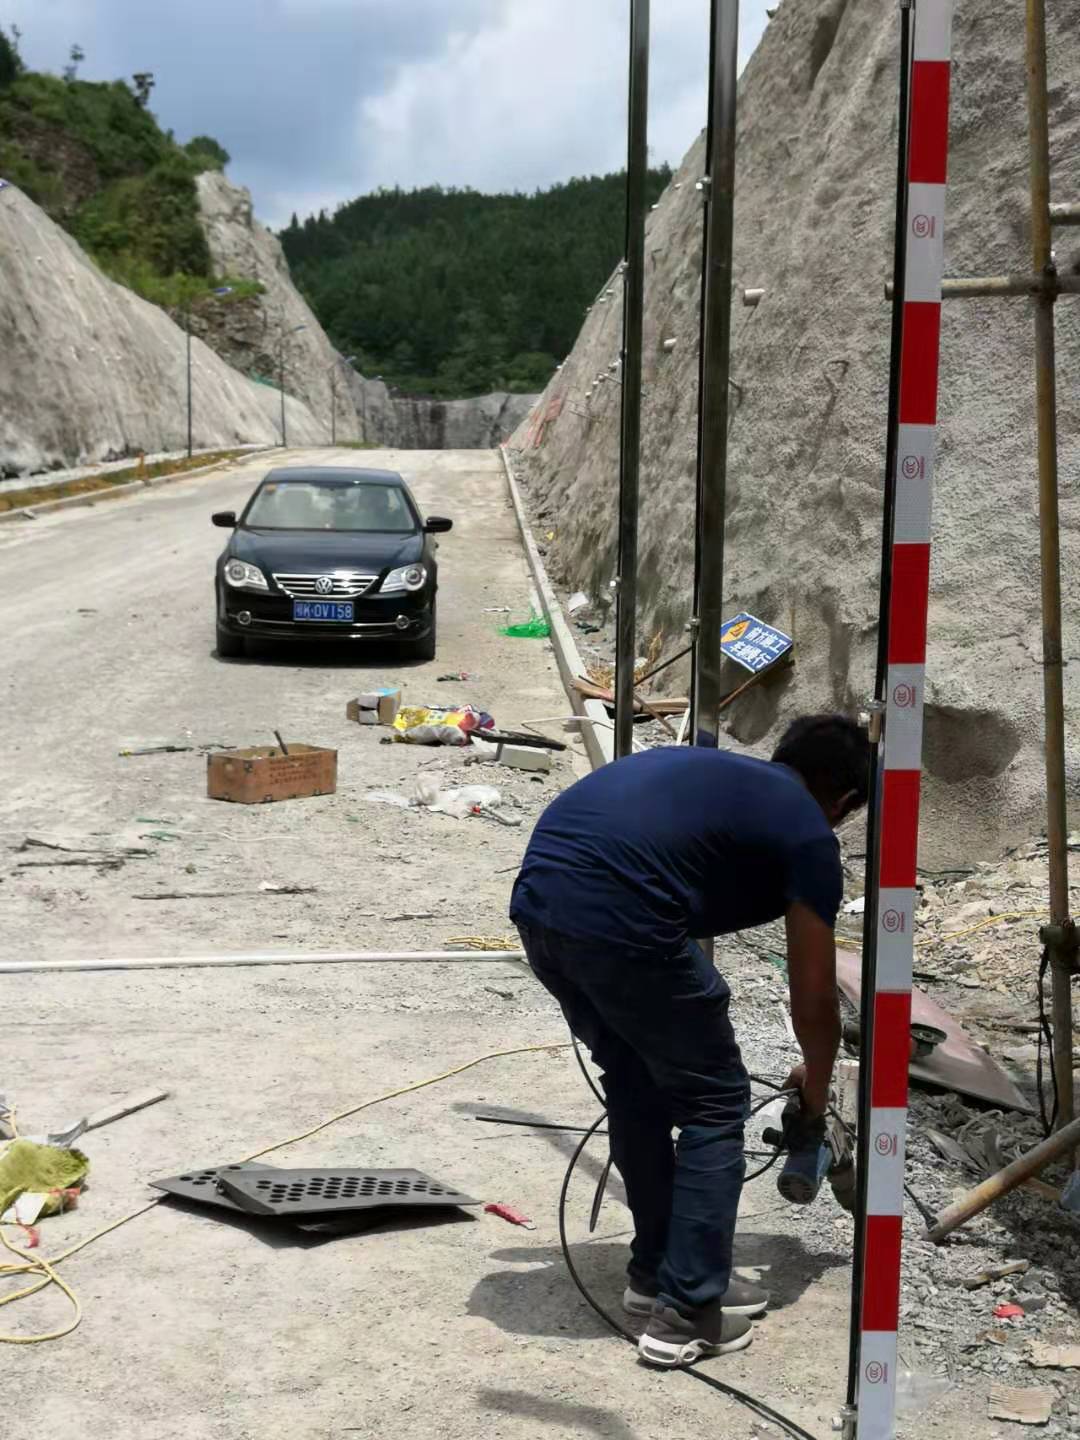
(332, 612)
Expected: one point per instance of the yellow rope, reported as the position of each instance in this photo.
(982, 925)
(39, 1265)
(486, 942)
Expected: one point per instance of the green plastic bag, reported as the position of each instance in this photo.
(535, 628)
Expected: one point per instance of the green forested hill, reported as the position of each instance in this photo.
(451, 292)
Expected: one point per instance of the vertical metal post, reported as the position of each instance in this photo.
(719, 194)
(1050, 552)
(333, 403)
(187, 326)
(637, 162)
(281, 384)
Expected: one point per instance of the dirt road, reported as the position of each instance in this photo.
(108, 626)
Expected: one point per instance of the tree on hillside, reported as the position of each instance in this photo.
(76, 56)
(144, 82)
(208, 152)
(11, 66)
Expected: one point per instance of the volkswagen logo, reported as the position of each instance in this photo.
(324, 585)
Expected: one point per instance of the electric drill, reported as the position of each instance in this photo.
(817, 1149)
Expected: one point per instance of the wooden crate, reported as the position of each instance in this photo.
(263, 773)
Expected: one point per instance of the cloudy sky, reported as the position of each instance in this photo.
(321, 100)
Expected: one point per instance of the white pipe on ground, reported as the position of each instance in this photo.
(262, 957)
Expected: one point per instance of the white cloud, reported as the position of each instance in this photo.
(539, 94)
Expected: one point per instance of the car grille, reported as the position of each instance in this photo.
(343, 585)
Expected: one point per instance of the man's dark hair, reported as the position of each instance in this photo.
(832, 754)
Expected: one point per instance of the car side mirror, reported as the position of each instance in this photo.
(226, 519)
(437, 525)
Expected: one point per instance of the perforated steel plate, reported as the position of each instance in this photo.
(287, 1193)
(202, 1185)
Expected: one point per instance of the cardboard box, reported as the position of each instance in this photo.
(262, 774)
(375, 707)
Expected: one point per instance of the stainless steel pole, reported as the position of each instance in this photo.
(333, 404)
(1061, 939)
(281, 385)
(637, 163)
(715, 367)
(187, 319)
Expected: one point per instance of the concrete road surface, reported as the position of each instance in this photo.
(206, 1328)
(108, 619)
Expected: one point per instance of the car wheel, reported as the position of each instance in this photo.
(424, 649)
(229, 647)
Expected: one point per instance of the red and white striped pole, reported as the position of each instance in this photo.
(907, 620)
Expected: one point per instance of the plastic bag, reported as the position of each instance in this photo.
(468, 800)
(535, 628)
(431, 725)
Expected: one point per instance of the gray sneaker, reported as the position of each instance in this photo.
(671, 1339)
(740, 1298)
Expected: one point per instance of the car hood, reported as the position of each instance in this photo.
(325, 550)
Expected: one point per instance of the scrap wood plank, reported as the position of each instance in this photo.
(661, 705)
(118, 1109)
(1028, 1407)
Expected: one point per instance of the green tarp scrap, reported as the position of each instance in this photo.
(25, 1166)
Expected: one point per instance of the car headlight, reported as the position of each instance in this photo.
(243, 576)
(406, 577)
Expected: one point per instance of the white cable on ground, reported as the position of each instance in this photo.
(264, 957)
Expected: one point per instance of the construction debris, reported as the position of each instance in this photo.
(997, 1272)
(1054, 1357)
(261, 774)
(1027, 1407)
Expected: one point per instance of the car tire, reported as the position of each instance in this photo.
(229, 647)
(424, 649)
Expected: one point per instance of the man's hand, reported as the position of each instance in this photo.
(814, 1104)
(815, 1010)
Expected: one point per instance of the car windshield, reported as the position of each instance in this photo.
(309, 505)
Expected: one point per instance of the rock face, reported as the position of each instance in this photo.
(247, 334)
(409, 423)
(255, 334)
(816, 174)
(90, 372)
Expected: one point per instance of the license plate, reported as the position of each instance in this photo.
(333, 612)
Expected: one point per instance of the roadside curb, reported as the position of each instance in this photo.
(598, 734)
(131, 487)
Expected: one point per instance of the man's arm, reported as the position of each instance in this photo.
(815, 1009)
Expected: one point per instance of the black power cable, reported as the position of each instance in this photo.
(759, 1407)
(1047, 1035)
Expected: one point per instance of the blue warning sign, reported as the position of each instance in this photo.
(753, 644)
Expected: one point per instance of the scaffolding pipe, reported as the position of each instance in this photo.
(1065, 214)
(1050, 557)
(1003, 286)
(714, 373)
(637, 164)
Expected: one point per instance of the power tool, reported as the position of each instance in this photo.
(817, 1148)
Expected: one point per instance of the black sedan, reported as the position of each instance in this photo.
(329, 554)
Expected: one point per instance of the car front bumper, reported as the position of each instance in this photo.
(270, 617)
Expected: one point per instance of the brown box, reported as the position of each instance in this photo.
(376, 707)
(262, 773)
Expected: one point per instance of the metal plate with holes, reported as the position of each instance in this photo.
(202, 1185)
(285, 1193)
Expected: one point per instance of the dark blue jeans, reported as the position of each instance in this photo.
(657, 1026)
